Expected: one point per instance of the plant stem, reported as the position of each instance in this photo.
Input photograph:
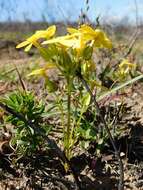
(67, 133)
(117, 154)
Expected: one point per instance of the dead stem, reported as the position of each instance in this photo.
(117, 154)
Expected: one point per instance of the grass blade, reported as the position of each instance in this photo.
(112, 91)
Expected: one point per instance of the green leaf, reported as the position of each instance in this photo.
(31, 130)
(85, 144)
(100, 142)
(51, 86)
(87, 53)
(86, 101)
(21, 142)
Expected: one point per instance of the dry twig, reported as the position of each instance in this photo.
(117, 154)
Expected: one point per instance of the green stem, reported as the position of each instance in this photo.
(67, 133)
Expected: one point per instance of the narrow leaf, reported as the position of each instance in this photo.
(119, 87)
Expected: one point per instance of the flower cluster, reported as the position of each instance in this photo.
(124, 68)
(33, 40)
(79, 38)
(68, 52)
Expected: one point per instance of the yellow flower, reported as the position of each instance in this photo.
(125, 66)
(72, 30)
(42, 71)
(79, 38)
(64, 40)
(48, 33)
(97, 36)
(124, 69)
(69, 41)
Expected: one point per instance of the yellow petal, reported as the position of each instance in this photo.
(33, 38)
(50, 66)
(28, 48)
(54, 40)
(86, 29)
(46, 33)
(37, 72)
(108, 44)
(124, 62)
(51, 30)
(101, 40)
(72, 30)
(22, 44)
(68, 43)
(60, 39)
